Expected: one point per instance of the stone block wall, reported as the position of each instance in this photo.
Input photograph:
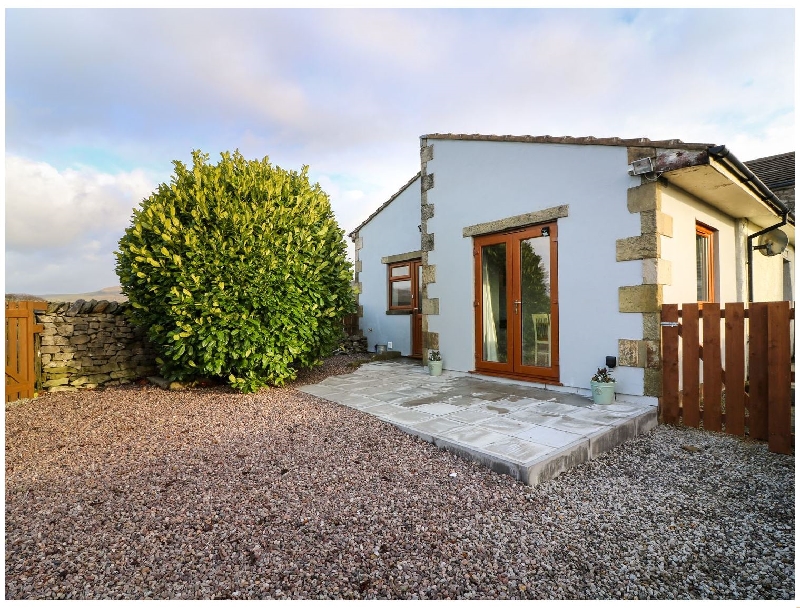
(91, 344)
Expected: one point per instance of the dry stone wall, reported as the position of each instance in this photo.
(91, 344)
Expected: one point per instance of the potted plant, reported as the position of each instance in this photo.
(603, 384)
(434, 363)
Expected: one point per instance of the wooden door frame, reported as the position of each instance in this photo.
(490, 367)
(513, 368)
(416, 312)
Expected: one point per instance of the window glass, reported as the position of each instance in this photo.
(401, 293)
(704, 247)
(400, 271)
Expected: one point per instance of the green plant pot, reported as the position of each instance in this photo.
(435, 368)
(603, 392)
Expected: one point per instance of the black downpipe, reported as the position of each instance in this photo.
(750, 179)
(750, 255)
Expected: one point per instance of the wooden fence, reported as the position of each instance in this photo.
(751, 394)
(350, 323)
(21, 328)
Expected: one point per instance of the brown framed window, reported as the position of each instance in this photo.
(704, 246)
(401, 294)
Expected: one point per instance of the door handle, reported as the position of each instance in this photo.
(516, 304)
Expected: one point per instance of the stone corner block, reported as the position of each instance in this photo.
(427, 182)
(657, 222)
(635, 153)
(657, 271)
(652, 382)
(640, 298)
(426, 153)
(639, 247)
(359, 244)
(429, 274)
(646, 197)
(430, 306)
(427, 243)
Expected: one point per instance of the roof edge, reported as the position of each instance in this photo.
(383, 206)
(641, 142)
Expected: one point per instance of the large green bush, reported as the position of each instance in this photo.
(236, 270)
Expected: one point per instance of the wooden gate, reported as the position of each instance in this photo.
(20, 349)
(724, 396)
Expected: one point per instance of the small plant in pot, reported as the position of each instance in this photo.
(603, 384)
(434, 363)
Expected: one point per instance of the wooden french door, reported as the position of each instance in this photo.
(416, 313)
(516, 303)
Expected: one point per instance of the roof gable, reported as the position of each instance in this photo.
(352, 235)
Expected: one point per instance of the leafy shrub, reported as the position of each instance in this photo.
(236, 270)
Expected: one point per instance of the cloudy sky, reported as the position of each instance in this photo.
(99, 102)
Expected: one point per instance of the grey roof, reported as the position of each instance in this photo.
(775, 171)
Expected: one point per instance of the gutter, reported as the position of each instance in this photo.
(730, 162)
(726, 158)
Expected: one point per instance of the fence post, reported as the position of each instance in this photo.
(734, 368)
(757, 395)
(690, 331)
(712, 368)
(778, 354)
(670, 393)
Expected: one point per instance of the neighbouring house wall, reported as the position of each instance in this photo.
(680, 250)
(769, 271)
(394, 231)
(473, 182)
(91, 344)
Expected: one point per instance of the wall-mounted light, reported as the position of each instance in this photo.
(641, 166)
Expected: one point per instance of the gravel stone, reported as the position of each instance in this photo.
(140, 493)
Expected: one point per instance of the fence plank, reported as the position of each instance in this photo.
(734, 368)
(779, 378)
(690, 333)
(757, 401)
(20, 327)
(670, 405)
(712, 368)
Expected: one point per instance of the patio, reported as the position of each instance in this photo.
(529, 433)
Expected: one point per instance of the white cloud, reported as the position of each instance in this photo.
(63, 224)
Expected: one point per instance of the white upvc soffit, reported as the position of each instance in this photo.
(715, 185)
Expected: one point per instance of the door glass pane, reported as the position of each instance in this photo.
(537, 338)
(401, 293)
(493, 286)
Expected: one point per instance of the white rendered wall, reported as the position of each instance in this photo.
(480, 181)
(686, 211)
(392, 232)
(680, 250)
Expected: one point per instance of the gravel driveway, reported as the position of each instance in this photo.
(138, 492)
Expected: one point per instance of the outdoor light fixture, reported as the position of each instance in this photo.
(641, 166)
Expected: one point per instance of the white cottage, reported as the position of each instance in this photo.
(536, 258)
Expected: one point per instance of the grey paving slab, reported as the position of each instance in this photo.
(474, 436)
(409, 417)
(530, 433)
(437, 426)
(501, 424)
(546, 435)
(575, 425)
(438, 409)
(518, 450)
(553, 407)
(532, 415)
(470, 416)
